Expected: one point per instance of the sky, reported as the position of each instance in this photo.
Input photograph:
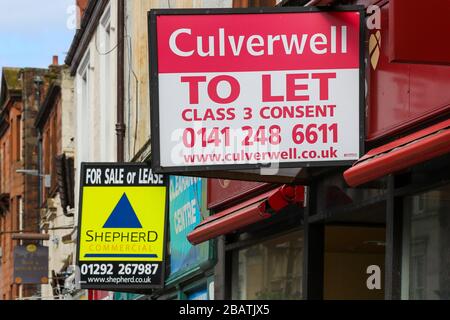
(32, 31)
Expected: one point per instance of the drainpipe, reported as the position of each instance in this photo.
(40, 171)
(120, 125)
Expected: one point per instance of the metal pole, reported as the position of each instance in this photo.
(120, 125)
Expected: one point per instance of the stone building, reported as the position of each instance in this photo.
(55, 125)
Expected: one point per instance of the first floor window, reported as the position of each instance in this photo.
(426, 246)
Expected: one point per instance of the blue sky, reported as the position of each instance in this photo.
(32, 31)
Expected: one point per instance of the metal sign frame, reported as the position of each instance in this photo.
(113, 287)
(154, 85)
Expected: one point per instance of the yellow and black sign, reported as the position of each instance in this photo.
(123, 209)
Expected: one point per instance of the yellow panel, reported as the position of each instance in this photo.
(98, 243)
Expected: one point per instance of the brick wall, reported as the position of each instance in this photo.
(19, 150)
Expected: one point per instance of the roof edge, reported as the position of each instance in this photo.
(83, 36)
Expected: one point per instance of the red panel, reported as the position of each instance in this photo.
(246, 213)
(429, 90)
(227, 223)
(401, 154)
(389, 88)
(285, 195)
(222, 192)
(402, 95)
(419, 31)
(182, 54)
(98, 295)
(235, 208)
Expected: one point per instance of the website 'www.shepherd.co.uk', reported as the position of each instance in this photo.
(119, 280)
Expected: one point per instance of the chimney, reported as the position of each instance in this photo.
(55, 61)
(81, 6)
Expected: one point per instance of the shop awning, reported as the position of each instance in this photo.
(408, 151)
(246, 213)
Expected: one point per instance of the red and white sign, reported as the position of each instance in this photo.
(255, 88)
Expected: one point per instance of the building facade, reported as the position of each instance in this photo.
(92, 61)
(377, 230)
(109, 59)
(55, 124)
(21, 94)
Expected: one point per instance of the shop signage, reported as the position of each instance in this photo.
(122, 221)
(185, 213)
(241, 89)
(30, 264)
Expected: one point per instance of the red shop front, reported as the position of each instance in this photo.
(379, 229)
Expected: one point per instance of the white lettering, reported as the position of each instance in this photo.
(173, 43)
(374, 280)
(222, 42)
(344, 39)
(318, 40)
(374, 19)
(257, 45)
(294, 42)
(270, 43)
(185, 216)
(333, 39)
(200, 49)
(251, 44)
(236, 48)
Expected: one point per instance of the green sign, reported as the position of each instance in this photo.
(186, 211)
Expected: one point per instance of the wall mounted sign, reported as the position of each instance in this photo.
(239, 89)
(30, 264)
(185, 213)
(122, 223)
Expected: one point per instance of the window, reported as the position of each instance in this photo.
(20, 213)
(54, 149)
(11, 146)
(2, 172)
(18, 137)
(271, 270)
(46, 159)
(107, 59)
(426, 246)
(2, 238)
(4, 161)
(83, 110)
(418, 270)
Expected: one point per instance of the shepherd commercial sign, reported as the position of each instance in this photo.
(123, 210)
(239, 88)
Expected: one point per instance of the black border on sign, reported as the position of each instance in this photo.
(154, 86)
(166, 224)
